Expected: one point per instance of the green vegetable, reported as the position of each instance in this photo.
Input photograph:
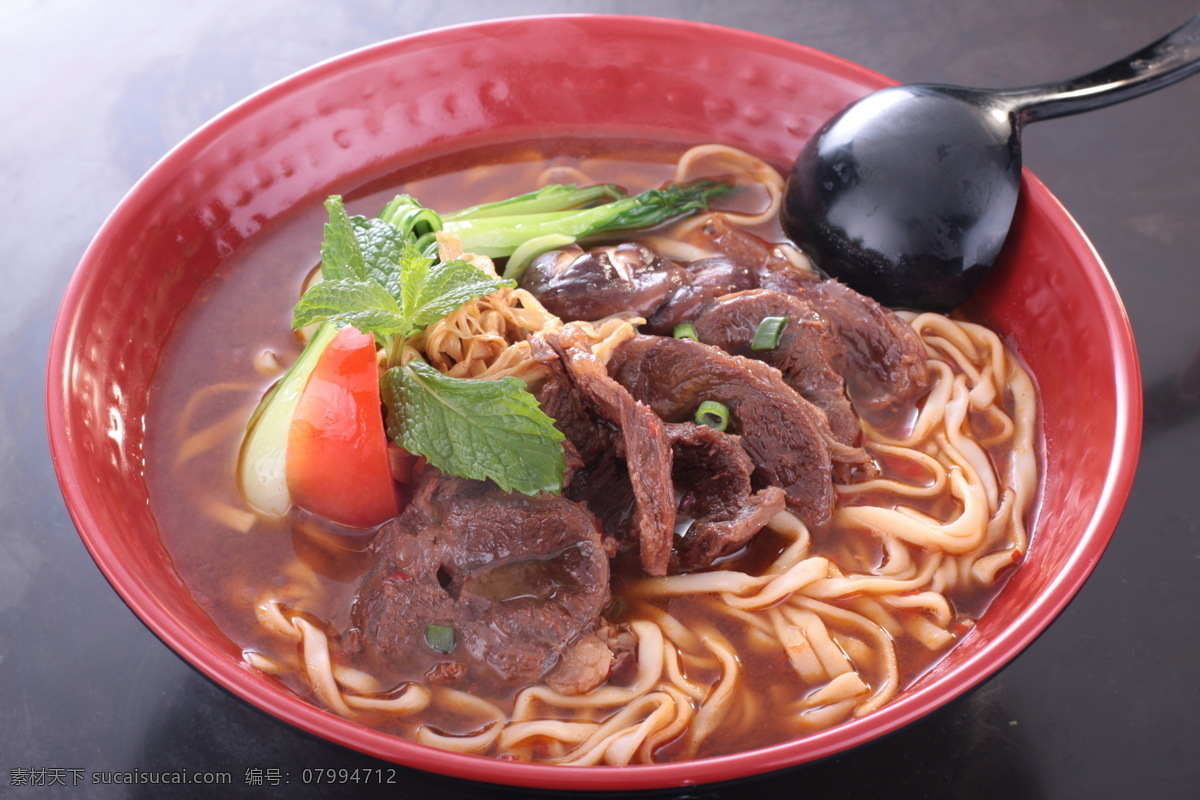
(377, 279)
(362, 266)
(766, 337)
(713, 414)
(261, 465)
(501, 236)
(414, 220)
(686, 330)
(481, 429)
(383, 277)
(555, 197)
(533, 248)
(442, 638)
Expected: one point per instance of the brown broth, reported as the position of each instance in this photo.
(207, 378)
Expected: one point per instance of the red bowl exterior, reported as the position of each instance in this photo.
(350, 120)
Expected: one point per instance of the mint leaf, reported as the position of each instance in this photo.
(341, 253)
(377, 279)
(430, 290)
(362, 248)
(481, 429)
(362, 303)
(384, 248)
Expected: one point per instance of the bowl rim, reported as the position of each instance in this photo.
(245, 684)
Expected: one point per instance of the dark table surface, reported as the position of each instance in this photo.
(1105, 704)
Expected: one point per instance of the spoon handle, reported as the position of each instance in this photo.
(1171, 58)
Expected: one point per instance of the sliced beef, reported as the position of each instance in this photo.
(717, 235)
(809, 353)
(702, 282)
(623, 445)
(786, 280)
(712, 480)
(589, 660)
(785, 436)
(624, 278)
(885, 357)
(607, 489)
(520, 580)
(446, 673)
(588, 435)
(884, 363)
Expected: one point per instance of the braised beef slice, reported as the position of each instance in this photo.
(624, 278)
(885, 357)
(588, 436)
(589, 660)
(716, 234)
(596, 475)
(785, 435)
(446, 673)
(520, 580)
(809, 353)
(702, 282)
(606, 488)
(622, 443)
(711, 473)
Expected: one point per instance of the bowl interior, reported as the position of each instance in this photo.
(347, 122)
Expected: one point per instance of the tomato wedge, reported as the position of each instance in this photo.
(337, 449)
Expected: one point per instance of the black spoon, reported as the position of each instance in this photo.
(907, 195)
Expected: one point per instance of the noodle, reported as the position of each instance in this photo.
(837, 627)
(946, 515)
(744, 165)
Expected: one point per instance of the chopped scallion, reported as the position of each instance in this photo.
(768, 334)
(685, 330)
(441, 637)
(713, 414)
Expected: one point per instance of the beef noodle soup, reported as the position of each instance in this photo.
(754, 540)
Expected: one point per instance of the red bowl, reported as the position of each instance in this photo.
(349, 121)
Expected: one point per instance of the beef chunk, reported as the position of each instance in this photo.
(520, 579)
(809, 354)
(711, 473)
(885, 358)
(606, 487)
(786, 437)
(588, 661)
(626, 478)
(624, 278)
(446, 673)
(755, 256)
(885, 363)
(702, 282)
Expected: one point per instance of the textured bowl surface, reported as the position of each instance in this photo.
(348, 121)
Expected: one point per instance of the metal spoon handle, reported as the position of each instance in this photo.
(1171, 58)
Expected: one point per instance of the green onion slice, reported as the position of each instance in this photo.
(441, 637)
(713, 414)
(685, 330)
(768, 333)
